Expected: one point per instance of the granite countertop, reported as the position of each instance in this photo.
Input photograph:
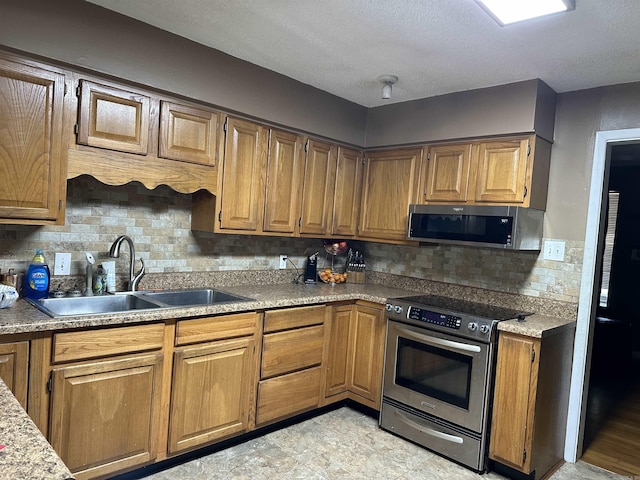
(27, 453)
(537, 326)
(24, 318)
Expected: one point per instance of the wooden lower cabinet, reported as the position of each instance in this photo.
(105, 414)
(292, 359)
(355, 354)
(14, 368)
(367, 355)
(211, 392)
(530, 401)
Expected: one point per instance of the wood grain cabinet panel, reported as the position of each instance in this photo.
(114, 119)
(287, 318)
(243, 176)
(348, 189)
(211, 392)
(105, 415)
(318, 189)
(220, 327)
(285, 170)
(367, 355)
(188, 133)
(530, 402)
(32, 157)
(448, 173)
(338, 359)
(291, 350)
(502, 169)
(390, 185)
(14, 369)
(285, 395)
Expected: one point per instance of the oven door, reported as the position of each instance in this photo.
(436, 373)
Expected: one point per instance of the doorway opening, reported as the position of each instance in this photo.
(612, 420)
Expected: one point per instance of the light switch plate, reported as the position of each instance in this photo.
(62, 264)
(554, 250)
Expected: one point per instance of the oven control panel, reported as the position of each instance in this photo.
(435, 318)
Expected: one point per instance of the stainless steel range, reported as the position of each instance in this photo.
(439, 372)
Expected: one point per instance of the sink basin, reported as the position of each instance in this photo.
(127, 301)
(58, 307)
(192, 297)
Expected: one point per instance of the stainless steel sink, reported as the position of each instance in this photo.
(127, 301)
(192, 297)
(121, 302)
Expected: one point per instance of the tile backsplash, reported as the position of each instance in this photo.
(159, 222)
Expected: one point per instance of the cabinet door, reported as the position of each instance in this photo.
(390, 185)
(317, 193)
(211, 392)
(448, 173)
(502, 171)
(338, 367)
(514, 402)
(346, 203)
(367, 337)
(187, 133)
(105, 415)
(285, 170)
(14, 369)
(243, 175)
(112, 118)
(32, 159)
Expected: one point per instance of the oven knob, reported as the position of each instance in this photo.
(389, 307)
(473, 326)
(484, 329)
(397, 309)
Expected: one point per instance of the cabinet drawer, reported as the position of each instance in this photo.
(292, 350)
(216, 328)
(106, 342)
(293, 317)
(283, 396)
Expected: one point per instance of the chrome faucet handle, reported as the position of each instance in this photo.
(136, 280)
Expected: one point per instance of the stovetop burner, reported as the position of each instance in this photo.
(465, 307)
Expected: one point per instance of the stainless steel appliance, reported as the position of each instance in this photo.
(438, 374)
(513, 228)
(311, 269)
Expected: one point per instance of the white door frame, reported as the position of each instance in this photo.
(586, 304)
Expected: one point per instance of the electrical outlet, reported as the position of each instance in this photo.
(62, 264)
(553, 250)
(283, 261)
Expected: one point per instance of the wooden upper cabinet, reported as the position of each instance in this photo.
(285, 170)
(448, 173)
(187, 133)
(318, 188)
(32, 156)
(390, 185)
(113, 118)
(242, 183)
(502, 170)
(346, 200)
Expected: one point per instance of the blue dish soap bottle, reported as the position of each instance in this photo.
(36, 285)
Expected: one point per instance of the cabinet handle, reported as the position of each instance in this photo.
(430, 431)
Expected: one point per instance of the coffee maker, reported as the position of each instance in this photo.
(311, 269)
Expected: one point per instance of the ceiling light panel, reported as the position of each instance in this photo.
(511, 11)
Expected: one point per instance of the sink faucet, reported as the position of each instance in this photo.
(114, 252)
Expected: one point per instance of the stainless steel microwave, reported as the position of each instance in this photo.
(513, 228)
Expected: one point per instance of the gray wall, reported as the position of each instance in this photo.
(79, 33)
(520, 107)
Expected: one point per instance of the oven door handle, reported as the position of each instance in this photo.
(440, 341)
(429, 431)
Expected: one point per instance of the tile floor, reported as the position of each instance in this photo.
(341, 444)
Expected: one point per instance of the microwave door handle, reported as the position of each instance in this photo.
(440, 341)
(429, 431)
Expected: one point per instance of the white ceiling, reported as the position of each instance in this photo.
(433, 46)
